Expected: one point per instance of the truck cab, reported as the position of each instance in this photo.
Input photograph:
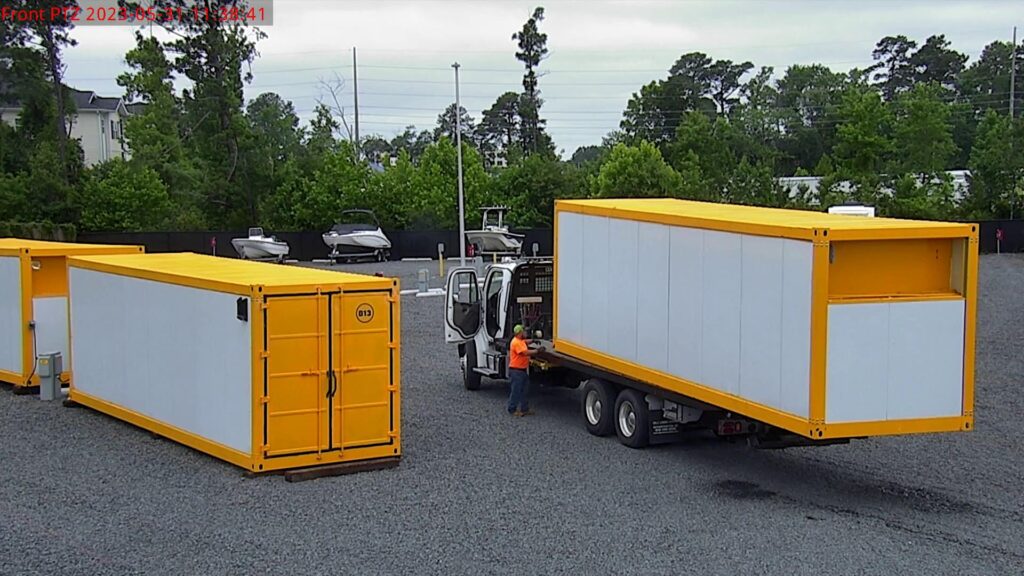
(480, 313)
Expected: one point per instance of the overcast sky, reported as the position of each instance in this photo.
(600, 52)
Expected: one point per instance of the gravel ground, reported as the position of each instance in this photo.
(479, 492)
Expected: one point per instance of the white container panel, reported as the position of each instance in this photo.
(795, 373)
(596, 276)
(653, 261)
(685, 335)
(926, 359)
(720, 323)
(173, 353)
(858, 362)
(761, 320)
(570, 276)
(51, 316)
(11, 321)
(622, 279)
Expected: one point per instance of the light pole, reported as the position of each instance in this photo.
(458, 148)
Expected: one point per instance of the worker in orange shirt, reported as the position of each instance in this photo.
(519, 376)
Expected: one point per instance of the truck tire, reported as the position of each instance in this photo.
(598, 407)
(632, 419)
(470, 377)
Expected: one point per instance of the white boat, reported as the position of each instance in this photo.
(493, 236)
(357, 235)
(259, 247)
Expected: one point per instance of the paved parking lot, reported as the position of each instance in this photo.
(479, 492)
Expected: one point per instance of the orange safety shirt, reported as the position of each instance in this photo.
(517, 354)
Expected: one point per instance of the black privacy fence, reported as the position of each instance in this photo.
(308, 245)
(993, 236)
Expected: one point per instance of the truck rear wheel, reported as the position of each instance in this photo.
(632, 419)
(598, 407)
(470, 377)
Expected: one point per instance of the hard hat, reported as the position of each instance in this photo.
(517, 329)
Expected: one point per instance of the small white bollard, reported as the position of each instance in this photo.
(423, 280)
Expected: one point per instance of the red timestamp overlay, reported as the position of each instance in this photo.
(109, 12)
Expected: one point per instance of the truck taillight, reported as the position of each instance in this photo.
(730, 427)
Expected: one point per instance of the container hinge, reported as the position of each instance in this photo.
(264, 354)
(392, 388)
(265, 447)
(264, 399)
(393, 345)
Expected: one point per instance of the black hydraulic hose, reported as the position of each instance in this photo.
(35, 353)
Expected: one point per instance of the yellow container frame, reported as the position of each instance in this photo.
(308, 283)
(52, 281)
(823, 230)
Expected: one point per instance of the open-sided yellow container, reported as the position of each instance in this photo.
(33, 303)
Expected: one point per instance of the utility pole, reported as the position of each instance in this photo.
(458, 148)
(355, 96)
(1013, 71)
(1013, 97)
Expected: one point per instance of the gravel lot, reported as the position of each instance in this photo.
(479, 492)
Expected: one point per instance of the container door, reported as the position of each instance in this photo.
(462, 309)
(296, 383)
(363, 349)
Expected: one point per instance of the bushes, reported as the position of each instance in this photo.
(39, 231)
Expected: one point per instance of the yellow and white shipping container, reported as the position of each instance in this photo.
(265, 366)
(34, 303)
(828, 326)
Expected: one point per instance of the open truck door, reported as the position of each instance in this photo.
(463, 316)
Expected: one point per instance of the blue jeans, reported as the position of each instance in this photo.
(519, 381)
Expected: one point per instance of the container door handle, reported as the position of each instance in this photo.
(332, 383)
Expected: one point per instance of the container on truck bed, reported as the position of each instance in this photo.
(792, 327)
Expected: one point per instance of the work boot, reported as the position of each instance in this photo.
(526, 412)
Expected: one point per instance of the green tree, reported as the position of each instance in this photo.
(393, 191)
(375, 149)
(986, 82)
(532, 49)
(118, 197)
(724, 83)
(922, 134)
(756, 185)
(863, 142)
(154, 134)
(995, 168)
(51, 35)
(499, 131)
(271, 149)
(213, 55)
(894, 71)
(809, 97)
(935, 62)
(924, 198)
(638, 171)
(435, 204)
(530, 188)
(702, 147)
(446, 125)
(320, 140)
